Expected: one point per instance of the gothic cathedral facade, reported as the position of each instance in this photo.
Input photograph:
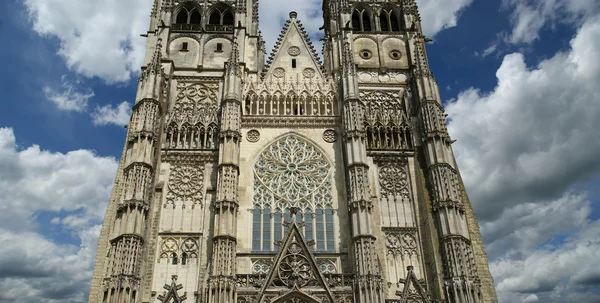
(293, 180)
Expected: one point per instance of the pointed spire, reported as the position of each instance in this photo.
(411, 279)
(154, 67)
(170, 294)
(286, 27)
(234, 58)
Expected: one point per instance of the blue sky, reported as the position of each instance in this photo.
(519, 81)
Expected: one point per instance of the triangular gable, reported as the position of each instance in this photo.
(294, 266)
(293, 43)
(170, 295)
(417, 292)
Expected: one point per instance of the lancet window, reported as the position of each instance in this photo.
(386, 122)
(192, 123)
(292, 172)
(220, 19)
(361, 20)
(188, 18)
(389, 21)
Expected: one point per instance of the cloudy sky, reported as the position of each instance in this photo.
(520, 81)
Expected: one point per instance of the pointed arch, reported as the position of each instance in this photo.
(292, 172)
(195, 17)
(182, 17)
(356, 20)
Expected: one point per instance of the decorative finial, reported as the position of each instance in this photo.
(293, 211)
(293, 15)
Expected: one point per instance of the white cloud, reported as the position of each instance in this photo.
(529, 17)
(438, 15)
(522, 149)
(97, 38)
(70, 96)
(108, 114)
(535, 134)
(34, 267)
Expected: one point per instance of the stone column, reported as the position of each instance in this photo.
(127, 241)
(450, 209)
(368, 282)
(222, 279)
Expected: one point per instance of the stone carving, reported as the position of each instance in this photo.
(375, 77)
(190, 247)
(393, 180)
(294, 270)
(177, 245)
(186, 183)
(279, 72)
(330, 136)
(170, 295)
(294, 51)
(308, 72)
(276, 96)
(192, 122)
(395, 54)
(253, 135)
(292, 173)
(386, 121)
(401, 243)
(262, 266)
(326, 266)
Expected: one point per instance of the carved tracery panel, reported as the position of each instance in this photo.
(402, 251)
(292, 172)
(193, 121)
(386, 122)
(397, 207)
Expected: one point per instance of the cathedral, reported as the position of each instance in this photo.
(291, 178)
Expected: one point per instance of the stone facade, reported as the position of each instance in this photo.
(291, 181)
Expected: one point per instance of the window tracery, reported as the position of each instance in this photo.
(292, 172)
(188, 17)
(389, 21)
(361, 20)
(192, 123)
(174, 249)
(386, 121)
(281, 96)
(220, 19)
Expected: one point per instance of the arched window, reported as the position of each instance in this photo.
(361, 20)
(195, 18)
(356, 21)
(394, 22)
(383, 21)
(182, 17)
(292, 172)
(366, 21)
(174, 258)
(227, 18)
(188, 18)
(183, 259)
(215, 18)
(221, 18)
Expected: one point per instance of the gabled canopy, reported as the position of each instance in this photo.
(294, 268)
(293, 55)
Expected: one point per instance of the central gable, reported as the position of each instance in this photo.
(293, 56)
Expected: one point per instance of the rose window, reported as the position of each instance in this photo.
(292, 172)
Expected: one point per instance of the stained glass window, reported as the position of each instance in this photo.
(292, 172)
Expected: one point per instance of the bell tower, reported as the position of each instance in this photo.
(395, 125)
(290, 180)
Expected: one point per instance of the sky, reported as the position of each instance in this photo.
(519, 80)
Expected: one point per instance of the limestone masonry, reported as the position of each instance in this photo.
(292, 181)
